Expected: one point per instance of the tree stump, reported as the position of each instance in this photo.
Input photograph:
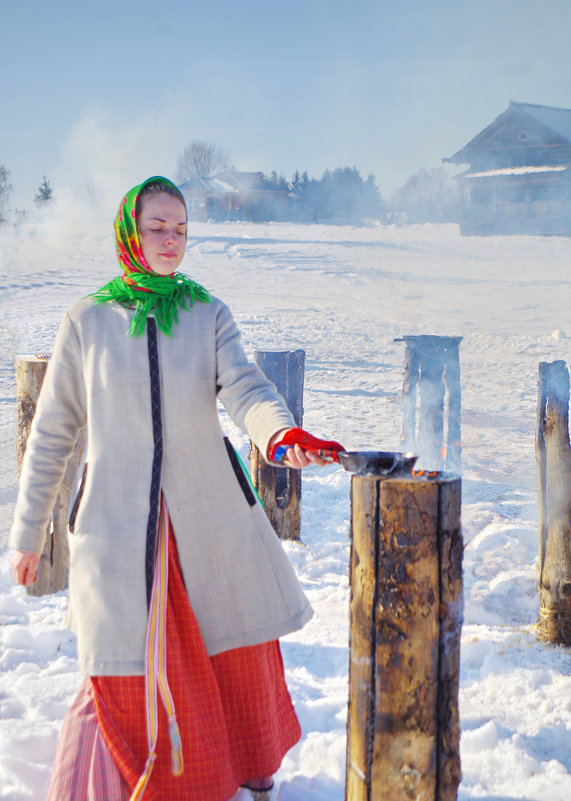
(53, 567)
(431, 376)
(403, 730)
(553, 459)
(279, 488)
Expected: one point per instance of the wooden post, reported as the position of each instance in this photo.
(53, 567)
(432, 369)
(280, 488)
(403, 731)
(453, 461)
(553, 459)
(409, 395)
(431, 418)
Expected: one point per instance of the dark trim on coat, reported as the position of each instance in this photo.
(154, 498)
(78, 497)
(239, 472)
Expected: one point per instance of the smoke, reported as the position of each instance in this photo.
(107, 152)
(104, 155)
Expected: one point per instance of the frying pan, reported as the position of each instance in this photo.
(371, 463)
(377, 463)
(361, 463)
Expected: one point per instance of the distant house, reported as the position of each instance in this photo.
(519, 178)
(195, 193)
(233, 195)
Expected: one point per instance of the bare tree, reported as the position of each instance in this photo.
(87, 192)
(5, 190)
(428, 196)
(200, 159)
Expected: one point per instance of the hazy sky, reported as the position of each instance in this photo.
(101, 95)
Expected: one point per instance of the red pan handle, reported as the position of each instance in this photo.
(327, 449)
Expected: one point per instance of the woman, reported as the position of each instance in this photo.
(179, 587)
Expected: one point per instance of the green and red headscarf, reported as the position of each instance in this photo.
(139, 287)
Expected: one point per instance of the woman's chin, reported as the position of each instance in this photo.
(164, 269)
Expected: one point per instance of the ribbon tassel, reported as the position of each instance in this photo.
(176, 746)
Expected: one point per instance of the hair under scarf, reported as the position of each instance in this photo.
(139, 287)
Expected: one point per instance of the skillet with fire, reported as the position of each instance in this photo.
(361, 463)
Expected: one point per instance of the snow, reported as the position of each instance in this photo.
(526, 170)
(344, 294)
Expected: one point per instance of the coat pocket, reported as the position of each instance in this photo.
(78, 497)
(243, 479)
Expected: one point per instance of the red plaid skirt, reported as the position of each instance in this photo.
(234, 711)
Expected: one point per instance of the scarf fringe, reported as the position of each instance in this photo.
(161, 295)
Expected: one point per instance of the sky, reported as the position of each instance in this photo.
(98, 96)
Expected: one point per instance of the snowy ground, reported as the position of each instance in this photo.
(343, 294)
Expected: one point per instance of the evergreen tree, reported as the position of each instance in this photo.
(44, 194)
(296, 182)
(5, 190)
(299, 186)
(275, 181)
(341, 195)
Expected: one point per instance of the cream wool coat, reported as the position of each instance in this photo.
(240, 583)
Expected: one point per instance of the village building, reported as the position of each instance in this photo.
(233, 195)
(519, 175)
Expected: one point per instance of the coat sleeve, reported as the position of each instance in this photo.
(250, 399)
(60, 413)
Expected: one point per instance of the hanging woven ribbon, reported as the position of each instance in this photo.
(156, 682)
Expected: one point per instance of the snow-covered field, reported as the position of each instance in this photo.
(343, 294)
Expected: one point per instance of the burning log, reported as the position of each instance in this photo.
(432, 373)
(553, 458)
(403, 731)
(279, 488)
(53, 567)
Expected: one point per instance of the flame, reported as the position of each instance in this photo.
(431, 473)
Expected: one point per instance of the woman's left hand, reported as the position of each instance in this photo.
(296, 455)
(297, 458)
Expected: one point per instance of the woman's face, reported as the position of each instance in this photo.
(162, 229)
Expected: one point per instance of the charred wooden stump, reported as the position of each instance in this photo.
(553, 458)
(403, 730)
(53, 567)
(432, 375)
(279, 488)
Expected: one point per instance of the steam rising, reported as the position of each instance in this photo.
(104, 155)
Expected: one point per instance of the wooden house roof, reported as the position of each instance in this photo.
(195, 184)
(525, 134)
(556, 119)
(231, 182)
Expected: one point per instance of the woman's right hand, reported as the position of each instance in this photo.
(24, 566)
